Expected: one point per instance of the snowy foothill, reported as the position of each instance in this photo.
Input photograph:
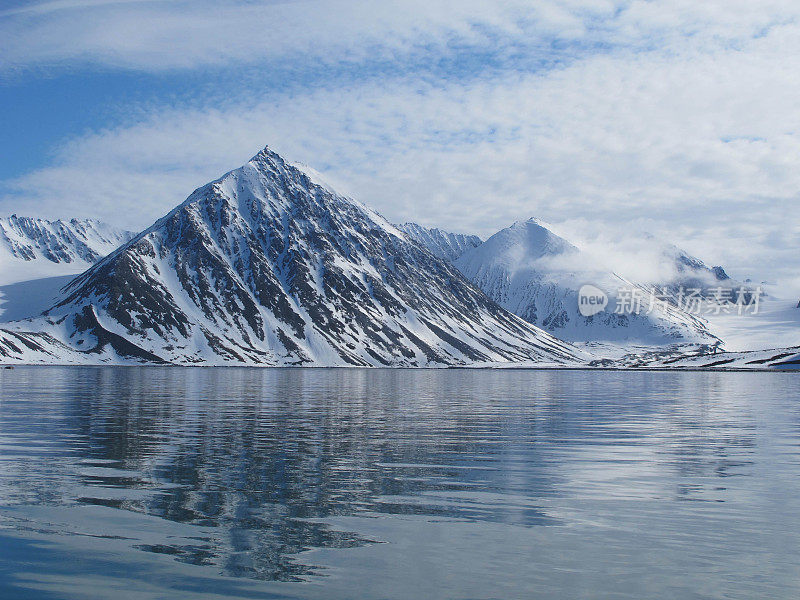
(38, 257)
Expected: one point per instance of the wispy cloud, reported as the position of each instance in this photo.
(162, 35)
(156, 35)
(677, 118)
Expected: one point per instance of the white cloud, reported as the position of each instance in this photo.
(157, 35)
(688, 129)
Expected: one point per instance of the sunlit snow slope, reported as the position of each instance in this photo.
(536, 274)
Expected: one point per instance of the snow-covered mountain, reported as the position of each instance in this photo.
(442, 244)
(27, 240)
(689, 272)
(691, 267)
(264, 266)
(38, 257)
(537, 275)
(781, 359)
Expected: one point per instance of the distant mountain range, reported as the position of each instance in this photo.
(268, 265)
(264, 266)
(38, 257)
(85, 241)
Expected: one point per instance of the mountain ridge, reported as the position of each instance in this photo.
(441, 243)
(264, 266)
(58, 241)
(537, 275)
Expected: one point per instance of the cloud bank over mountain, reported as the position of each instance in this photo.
(673, 118)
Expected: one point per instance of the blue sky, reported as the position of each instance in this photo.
(606, 117)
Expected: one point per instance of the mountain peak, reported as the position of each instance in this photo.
(536, 274)
(538, 222)
(522, 242)
(266, 153)
(264, 266)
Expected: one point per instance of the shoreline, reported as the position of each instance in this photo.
(658, 369)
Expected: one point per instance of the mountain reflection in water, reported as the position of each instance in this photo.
(245, 470)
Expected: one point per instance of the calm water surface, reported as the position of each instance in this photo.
(308, 483)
